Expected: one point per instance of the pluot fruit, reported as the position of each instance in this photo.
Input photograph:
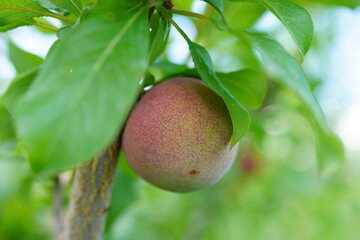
(178, 136)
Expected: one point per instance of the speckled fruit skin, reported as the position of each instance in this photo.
(178, 136)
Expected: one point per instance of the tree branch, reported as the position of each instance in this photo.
(90, 197)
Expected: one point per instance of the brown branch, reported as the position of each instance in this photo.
(90, 197)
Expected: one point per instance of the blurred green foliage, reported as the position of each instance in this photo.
(273, 192)
(280, 204)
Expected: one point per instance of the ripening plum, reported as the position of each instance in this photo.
(178, 136)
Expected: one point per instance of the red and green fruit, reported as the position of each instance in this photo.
(178, 136)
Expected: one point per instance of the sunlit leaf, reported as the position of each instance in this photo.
(183, 4)
(287, 71)
(219, 7)
(19, 87)
(294, 17)
(347, 3)
(164, 68)
(249, 12)
(245, 0)
(7, 131)
(85, 2)
(73, 6)
(8, 150)
(247, 86)
(284, 69)
(21, 59)
(330, 151)
(217, 4)
(15, 13)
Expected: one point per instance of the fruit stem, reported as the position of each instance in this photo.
(60, 17)
(176, 26)
(191, 14)
(43, 25)
(204, 18)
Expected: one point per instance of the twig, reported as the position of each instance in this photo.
(191, 14)
(176, 26)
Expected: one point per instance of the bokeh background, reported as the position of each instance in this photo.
(274, 190)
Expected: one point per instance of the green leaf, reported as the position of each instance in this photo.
(84, 91)
(86, 2)
(46, 4)
(183, 4)
(160, 29)
(245, 0)
(347, 3)
(118, 7)
(8, 151)
(284, 69)
(163, 69)
(15, 13)
(219, 7)
(296, 19)
(249, 12)
(7, 131)
(217, 4)
(329, 149)
(18, 88)
(73, 6)
(21, 59)
(247, 86)
(239, 115)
